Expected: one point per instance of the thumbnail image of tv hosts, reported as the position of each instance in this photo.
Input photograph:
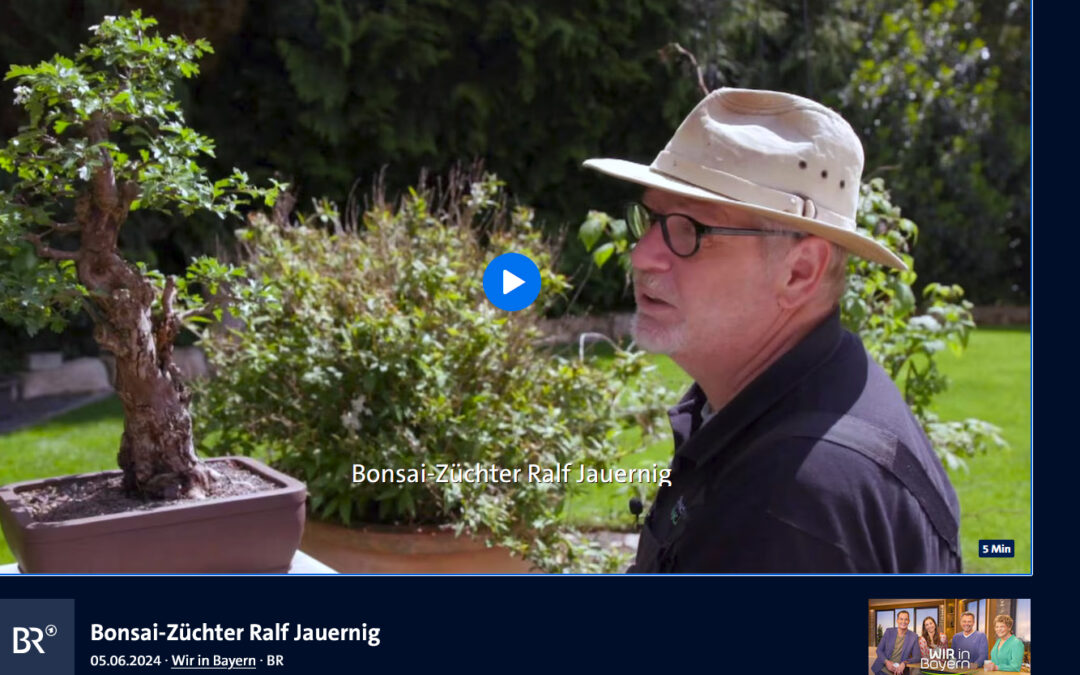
(901, 651)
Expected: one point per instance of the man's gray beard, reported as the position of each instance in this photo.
(654, 338)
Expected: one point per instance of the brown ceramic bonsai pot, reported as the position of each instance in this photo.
(375, 549)
(257, 532)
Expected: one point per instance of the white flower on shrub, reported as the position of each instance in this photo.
(350, 419)
(359, 407)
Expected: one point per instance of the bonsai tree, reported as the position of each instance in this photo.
(106, 137)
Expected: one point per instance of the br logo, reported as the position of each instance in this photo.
(37, 636)
(25, 638)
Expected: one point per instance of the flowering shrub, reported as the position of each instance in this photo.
(379, 348)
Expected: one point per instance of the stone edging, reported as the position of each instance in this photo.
(90, 374)
(1001, 315)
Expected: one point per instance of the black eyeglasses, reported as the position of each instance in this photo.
(682, 234)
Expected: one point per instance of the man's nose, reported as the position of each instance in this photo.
(650, 253)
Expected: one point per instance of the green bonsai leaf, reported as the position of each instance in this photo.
(109, 112)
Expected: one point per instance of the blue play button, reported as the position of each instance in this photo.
(511, 282)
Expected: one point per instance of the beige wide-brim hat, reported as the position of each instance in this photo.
(785, 157)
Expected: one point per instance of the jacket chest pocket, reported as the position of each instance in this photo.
(659, 553)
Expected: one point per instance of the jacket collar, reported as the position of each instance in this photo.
(755, 399)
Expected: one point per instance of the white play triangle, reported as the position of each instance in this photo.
(511, 281)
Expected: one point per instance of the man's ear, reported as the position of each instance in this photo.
(803, 272)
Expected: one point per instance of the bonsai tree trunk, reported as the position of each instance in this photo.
(157, 454)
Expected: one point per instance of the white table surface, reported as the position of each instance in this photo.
(302, 563)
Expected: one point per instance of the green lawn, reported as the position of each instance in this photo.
(990, 381)
(83, 440)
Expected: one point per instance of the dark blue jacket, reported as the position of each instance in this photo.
(818, 465)
(910, 653)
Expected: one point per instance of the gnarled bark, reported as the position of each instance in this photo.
(157, 453)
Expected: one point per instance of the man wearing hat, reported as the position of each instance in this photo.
(794, 451)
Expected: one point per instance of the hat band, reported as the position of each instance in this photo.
(730, 185)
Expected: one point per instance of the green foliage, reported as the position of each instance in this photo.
(35, 295)
(379, 348)
(603, 237)
(880, 306)
(600, 227)
(941, 98)
(939, 92)
(326, 92)
(533, 88)
(124, 80)
(425, 83)
(106, 121)
(788, 45)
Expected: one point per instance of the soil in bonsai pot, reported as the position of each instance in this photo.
(98, 495)
(248, 533)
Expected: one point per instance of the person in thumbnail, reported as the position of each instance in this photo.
(1008, 652)
(930, 638)
(794, 451)
(898, 647)
(970, 640)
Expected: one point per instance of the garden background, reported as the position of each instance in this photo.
(325, 95)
